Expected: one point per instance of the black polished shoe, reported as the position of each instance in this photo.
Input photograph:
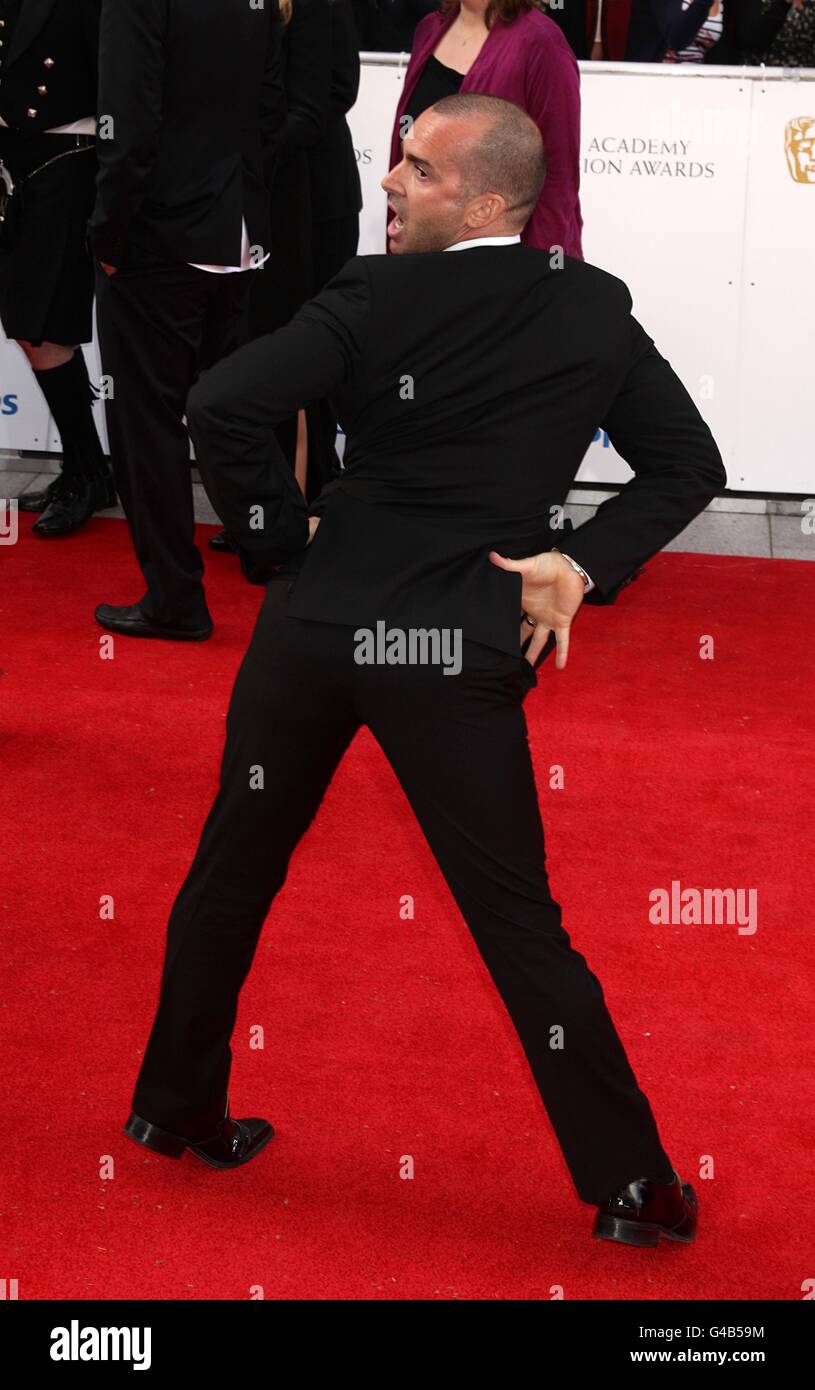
(234, 1142)
(70, 505)
(644, 1210)
(37, 501)
(72, 501)
(129, 621)
(223, 543)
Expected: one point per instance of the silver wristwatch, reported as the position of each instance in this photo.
(586, 580)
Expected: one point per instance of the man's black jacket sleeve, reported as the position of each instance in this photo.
(233, 408)
(131, 77)
(655, 426)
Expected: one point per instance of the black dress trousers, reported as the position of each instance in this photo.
(159, 326)
(458, 745)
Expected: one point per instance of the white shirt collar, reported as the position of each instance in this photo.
(484, 241)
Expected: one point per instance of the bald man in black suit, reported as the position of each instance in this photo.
(470, 372)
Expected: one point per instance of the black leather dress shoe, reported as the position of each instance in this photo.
(37, 501)
(223, 543)
(234, 1142)
(129, 621)
(71, 502)
(642, 1212)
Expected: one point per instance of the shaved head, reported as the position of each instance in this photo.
(501, 152)
(472, 166)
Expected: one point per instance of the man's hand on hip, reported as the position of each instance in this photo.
(551, 594)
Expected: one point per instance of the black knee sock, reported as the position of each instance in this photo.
(67, 390)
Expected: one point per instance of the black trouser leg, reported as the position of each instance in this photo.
(155, 326)
(458, 745)
(291, 718)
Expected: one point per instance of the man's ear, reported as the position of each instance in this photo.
(486, 210)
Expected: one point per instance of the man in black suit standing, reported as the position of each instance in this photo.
(470, 373)
(190, 106)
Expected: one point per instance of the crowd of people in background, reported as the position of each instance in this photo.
(159, 221)
(780, 33)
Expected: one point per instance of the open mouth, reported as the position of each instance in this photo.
(396, 223)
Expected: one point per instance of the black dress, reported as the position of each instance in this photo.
(289, 277)
(48, 79)
(436, 82)
(336, 202)
(336, 191)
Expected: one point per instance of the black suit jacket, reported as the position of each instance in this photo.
(54, 45)
(194, 91)
(470, 384)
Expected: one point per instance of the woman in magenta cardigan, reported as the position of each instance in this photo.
(507, 48)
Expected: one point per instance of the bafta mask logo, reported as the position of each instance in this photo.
(799, 144)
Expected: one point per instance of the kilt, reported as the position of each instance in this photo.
(46, 278)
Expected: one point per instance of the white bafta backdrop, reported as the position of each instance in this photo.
(698, 190)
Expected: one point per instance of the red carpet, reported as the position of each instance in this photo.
(384, 1038)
